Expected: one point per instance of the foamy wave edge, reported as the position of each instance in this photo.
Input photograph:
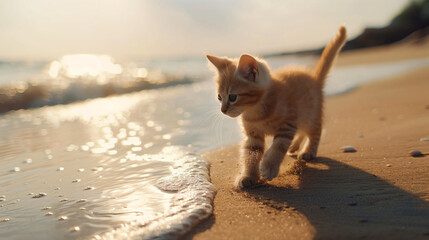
(192, 201)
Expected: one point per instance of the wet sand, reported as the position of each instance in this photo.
(379, 191)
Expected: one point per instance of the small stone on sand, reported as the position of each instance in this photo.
(81, 170)
(416, 153)
(16, 169)
(60, 169)
(76, 180)
(28, 160)
(5, 220)
(89, 188)
(97, 169)
(46, 208)
(81, 200)
(425, 139)
(348, 149)
(75, 229)
(64, 200)
(62, 218)
(49, 213)
(40, 195)
(388, 165)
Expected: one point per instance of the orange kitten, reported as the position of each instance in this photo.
(286, 104)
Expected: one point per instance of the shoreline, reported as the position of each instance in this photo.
(378, 191)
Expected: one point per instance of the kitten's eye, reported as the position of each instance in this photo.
(232, 97)
(219, 97)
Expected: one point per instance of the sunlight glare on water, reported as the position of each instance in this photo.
(85, 65)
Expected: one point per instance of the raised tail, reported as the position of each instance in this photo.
(328, 56)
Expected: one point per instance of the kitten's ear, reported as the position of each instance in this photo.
(248, 67)
(218, 62)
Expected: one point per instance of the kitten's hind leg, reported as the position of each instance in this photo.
(296, 143)
(310, 149)
(270, 165)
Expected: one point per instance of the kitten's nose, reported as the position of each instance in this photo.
(223, 109)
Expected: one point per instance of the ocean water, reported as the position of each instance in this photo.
(121, 165)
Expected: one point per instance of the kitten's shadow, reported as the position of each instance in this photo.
(341, 201)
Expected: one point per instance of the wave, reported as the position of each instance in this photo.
(83, 76)
(192, 202)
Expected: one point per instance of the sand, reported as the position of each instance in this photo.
(379, 191)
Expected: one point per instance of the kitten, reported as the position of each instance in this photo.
(286, 104)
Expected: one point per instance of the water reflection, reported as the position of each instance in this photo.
(96, 163)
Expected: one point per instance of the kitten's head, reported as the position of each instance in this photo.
(241, 83)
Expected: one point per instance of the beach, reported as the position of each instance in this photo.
(126, 162)
(379, 191)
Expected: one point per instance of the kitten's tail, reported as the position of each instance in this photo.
(328, 56)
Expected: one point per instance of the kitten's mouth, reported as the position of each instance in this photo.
(232, 114)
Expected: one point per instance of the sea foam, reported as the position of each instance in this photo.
(189, 181)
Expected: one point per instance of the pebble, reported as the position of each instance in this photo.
(60, 169)
(16, 169)
(81, 170)
(76, 180)
(49, 213)
(57, 188)
(40, 195)
(46, 208)
(388, 165)
(5, 220)
(348, 149)
(30, 194)
(64, 200)
(2, 196)
(416, 153)
(2, 199)
(89, 188)
(75, 229)
(62, 218)
(28, 160)
(81, 200)
(425, 139)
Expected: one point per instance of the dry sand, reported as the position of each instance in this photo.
(378, 192)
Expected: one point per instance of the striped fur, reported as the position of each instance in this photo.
(285, 104)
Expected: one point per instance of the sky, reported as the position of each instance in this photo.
(137, 29)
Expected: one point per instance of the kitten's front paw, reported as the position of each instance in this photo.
(306, 156)
(246, 181)
(269, 171)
